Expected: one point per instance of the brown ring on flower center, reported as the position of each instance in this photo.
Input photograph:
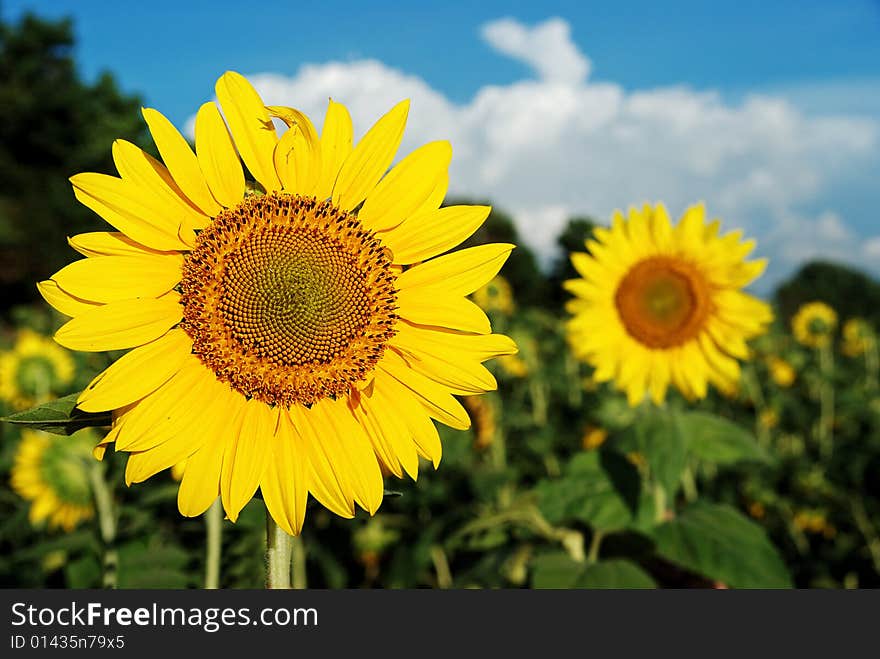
(288, 299)
(663, 302)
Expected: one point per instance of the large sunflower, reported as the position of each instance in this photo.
(52, 473)
(660, 305)
(292, 339)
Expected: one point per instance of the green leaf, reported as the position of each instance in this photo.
(657, 437)
(84, 572)
(60, 417)
(718, 542)
(558, 570)
(155, 564)
(718, 440)
(599, 488)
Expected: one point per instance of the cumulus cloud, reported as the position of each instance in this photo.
(547, 48)
(559, 145)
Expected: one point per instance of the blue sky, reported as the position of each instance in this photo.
(171, 51)
(821, 60)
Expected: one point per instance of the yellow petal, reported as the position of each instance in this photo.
(114, 278)
(120, 325)
(201, 480)
(327, 479)
(63, 301)
(405, 188)
(385, 453)
(459, 273)
(130, 209)
(336, 141)
(442, 310)
(380, 416)
(148, 173)
(246, 456)
(422, 430)
(217, 157)
(183, 436)
(284, 485)
(347, 438)
(109, 243)
(200, 484)
(181, 161)
(137, 373)
(428, 234)
(478, 347)
(460, 376)
(251, 127)
(297, 155)
(434, 397)
(370, 159)
(165, 412)
(347, 447)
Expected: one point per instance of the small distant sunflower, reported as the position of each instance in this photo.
(660, 305)
(769, 418)
(814, 324)
(53, 474)
(297, 339)
(781, 372)
(34, 369)
(496, 296)
(593, 438)
(483, 420)
(858, 337)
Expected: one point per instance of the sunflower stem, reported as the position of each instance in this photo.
(298, 563)
(753, 387)
(539, 401)
(441, 567)
(872, 362)
(214, 543)
(595, 543)
(867, 529)
(826, 400)
(106, 524)
(689, 484)
(659, 503)
(278, 551)
(575, 387)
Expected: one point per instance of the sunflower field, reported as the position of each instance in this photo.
(634, 415)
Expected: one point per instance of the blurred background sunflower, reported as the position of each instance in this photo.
(659, 305)
(34, 369)
(53, 474)
(814, 324)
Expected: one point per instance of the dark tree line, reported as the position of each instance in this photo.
(52, 125)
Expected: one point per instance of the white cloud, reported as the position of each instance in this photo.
(560, 145)
(547, 48)
(871, 248)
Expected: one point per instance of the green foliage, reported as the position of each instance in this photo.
(720, 543)
(598, 488)
(558, 570)
(719, 441)
(59, 417)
